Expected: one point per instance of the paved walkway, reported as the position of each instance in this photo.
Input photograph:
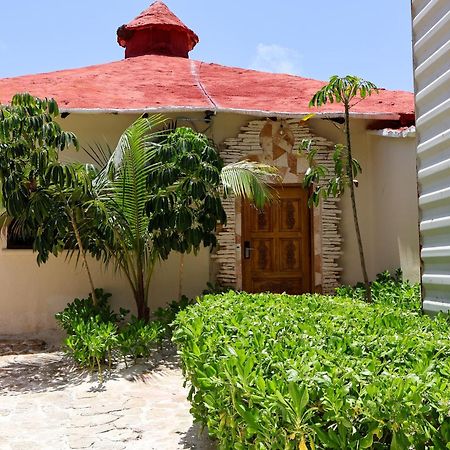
(47, 403)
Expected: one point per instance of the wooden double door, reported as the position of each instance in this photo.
(276, 244)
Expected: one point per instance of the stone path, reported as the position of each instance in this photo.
(47, 403)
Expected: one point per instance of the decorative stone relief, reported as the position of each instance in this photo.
(276, 143)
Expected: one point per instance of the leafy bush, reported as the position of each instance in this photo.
(91, 343)
(387, 289)
(215, 288)
(315, 372)
(167, 315)
(96, 335)
(82, 310)
(137, 338)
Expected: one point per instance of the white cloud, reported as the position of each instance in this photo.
(277, 59)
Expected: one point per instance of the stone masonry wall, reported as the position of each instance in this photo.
(277, 143)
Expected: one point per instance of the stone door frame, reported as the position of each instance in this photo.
(260, 140)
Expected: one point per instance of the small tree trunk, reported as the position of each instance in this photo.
(83, 255)
(139, 295)
(353, 198)
(180, 279)
(143, 310)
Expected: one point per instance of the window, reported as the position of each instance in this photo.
(14, 241)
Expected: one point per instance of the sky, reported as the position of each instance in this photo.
(314, 39)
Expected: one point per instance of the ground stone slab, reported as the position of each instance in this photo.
(11, 346)
(60, 407)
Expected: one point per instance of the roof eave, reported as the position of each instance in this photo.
(247, 112)
(409, 132)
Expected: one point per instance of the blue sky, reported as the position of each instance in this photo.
(313, 39)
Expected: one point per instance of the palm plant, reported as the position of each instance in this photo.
(161, 191)
(158, 192)
(344, 90)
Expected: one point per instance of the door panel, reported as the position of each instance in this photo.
(277, 239)
(290, 215)
(262, 256)
(290, 254)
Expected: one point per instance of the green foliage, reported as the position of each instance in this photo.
(215, 288)
(44, 199)
(30, 140)
(91, 343)
(96, 335)
(343, 90)
(82, 310)
(184, 201)
(161, 192)
(244, 179)
(387, 289)
(137, 338)
(315, 372)
(35, 186)
(322, 182)
(168, 314)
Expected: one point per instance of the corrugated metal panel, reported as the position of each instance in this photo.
(431, 45)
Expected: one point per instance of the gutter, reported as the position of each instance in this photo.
(216, 110)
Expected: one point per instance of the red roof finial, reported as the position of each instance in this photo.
(156, 31)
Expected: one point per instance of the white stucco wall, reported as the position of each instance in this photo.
(395, 206)
(31, 295)
(386, 201)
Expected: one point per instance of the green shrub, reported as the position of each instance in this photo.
(97, 336)
(215, 288)
(315, 372)
(82, 310)
(137, 338)
(91, 343)
(167, 314)
(387, 289)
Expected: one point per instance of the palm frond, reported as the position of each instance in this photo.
(121, 196)
(342, 90)
(100, 154)
(141, 135)
(129, 184)
(250, 180)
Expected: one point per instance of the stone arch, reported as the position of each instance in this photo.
(276, 142)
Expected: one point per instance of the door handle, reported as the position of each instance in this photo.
(247, 249)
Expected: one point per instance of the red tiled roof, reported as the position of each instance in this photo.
(157, 14)
(151, 82)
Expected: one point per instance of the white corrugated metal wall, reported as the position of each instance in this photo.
(431, 46)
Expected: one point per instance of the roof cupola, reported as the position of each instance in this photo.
(156, 31)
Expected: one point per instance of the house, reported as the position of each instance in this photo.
(248, 114)
(431, 39)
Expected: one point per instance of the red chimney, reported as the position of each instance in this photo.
(156, 31)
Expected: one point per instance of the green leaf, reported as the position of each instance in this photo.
(399, 441)
(299, 396)
(367, 441)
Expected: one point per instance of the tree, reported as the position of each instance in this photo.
(158, 192)
(42, 198)
(342, 90)
(161, 192)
